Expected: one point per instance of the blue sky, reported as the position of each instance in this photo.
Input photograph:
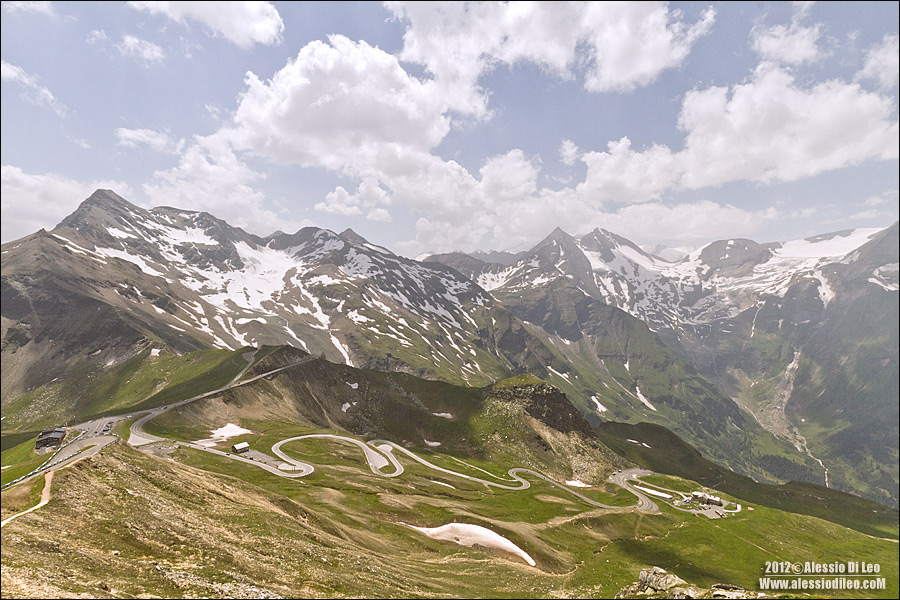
(434, 127)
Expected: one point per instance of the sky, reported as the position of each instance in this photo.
(431, 127)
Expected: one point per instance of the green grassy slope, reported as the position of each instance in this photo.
(140, 381)
(129, 523)
(669, 454)
(602, 355)
(125, 523)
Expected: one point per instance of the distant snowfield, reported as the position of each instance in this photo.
(577, 483)
(471, 535)
(642, 398)
(432, 481)
(653, 492)
(835, 245)
(222, 434)
(654, 290)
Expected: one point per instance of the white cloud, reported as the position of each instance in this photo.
(793, 45)
(34, 201)
(802, 8)
(43, 8)
(141, 50)
(767, 130)
(883, 63)
(519, 224)
(368, 196)
(156, 140)
(343, 105)
(877, 209)
(634, 42)
(623, 175)
(696, 221)
(242, 23)
(568, 152)
(379, 214)
(887, 197)
(340, 202)
(35, 93)
(618, 46)
(772, 129)
(353, 109)
(210, 177)
(508, 177)
(215, 112)
(96, 36)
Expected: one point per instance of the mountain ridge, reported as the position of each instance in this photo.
(188, 280)
(753, 318)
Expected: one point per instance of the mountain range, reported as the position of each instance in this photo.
(801, 334)
(777, 360)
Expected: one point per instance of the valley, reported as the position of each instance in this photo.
(725, 325)
(258, 417)
(179, 518)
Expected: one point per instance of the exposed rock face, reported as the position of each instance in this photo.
(740, 312)
(626, 335)
(659, 583)
(546, 403)
(654, 581)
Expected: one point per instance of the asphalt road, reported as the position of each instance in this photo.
(376, 457)
(81, 447)
(92, 436)
(379, 453)
(621, 479)
(139, 437)
(274, 470)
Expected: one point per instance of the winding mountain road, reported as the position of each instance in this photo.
(622, 480)
(139, 437)
(379, 454)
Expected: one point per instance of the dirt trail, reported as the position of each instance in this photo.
(45, 498)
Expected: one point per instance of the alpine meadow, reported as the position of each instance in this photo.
(454, 300)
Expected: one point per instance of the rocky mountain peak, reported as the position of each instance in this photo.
(350, 236)
(100, 209)
(558, 235)
(556, 246)
(462, 263)
(602, 242)
(107, 198)
(733, 258)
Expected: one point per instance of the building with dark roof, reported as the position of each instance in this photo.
(52, 438)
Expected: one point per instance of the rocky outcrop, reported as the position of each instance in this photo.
(546, 403)
(659, 583)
